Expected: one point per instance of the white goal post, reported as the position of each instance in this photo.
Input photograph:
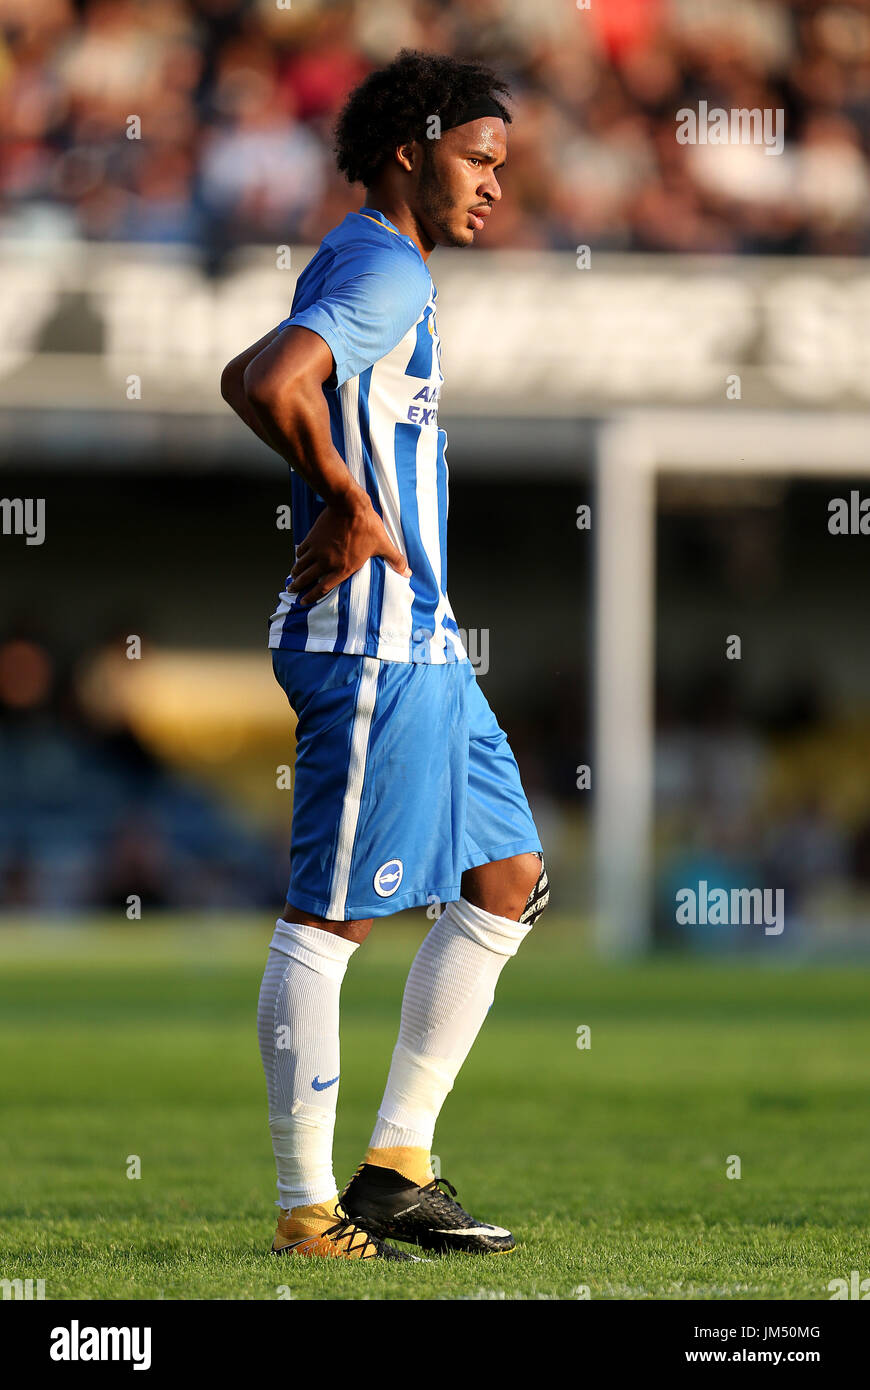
(631, 451)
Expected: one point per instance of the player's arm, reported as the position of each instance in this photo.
(283, 390)
(283, 386)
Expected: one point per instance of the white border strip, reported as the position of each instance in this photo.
(363, 713)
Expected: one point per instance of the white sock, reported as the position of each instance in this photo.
(450, 988)
(297, 1022)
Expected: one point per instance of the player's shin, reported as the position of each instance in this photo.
(298, 1027)
(449, 991)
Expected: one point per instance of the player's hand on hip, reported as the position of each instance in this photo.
(338, 544)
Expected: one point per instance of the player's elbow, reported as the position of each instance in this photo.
(232, 382)
(238, 383)
(274, 395)
(262, 387)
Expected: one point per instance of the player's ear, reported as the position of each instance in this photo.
(409, 155)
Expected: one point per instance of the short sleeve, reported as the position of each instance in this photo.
(362, 318)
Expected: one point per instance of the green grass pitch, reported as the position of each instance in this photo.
(609, 1164)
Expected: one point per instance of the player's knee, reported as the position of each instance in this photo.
(539, 896)
(356, 930)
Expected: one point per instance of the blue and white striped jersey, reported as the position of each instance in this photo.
(368, 293)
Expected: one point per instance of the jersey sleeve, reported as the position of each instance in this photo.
(365, 312)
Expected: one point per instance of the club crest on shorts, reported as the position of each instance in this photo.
(388, 877)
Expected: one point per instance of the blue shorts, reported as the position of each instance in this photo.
(403, 780)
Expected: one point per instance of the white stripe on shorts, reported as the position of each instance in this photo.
(364, 709)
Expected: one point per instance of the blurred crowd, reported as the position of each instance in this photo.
(90, 817)
(209, 121)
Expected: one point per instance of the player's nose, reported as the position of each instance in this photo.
(489, 187)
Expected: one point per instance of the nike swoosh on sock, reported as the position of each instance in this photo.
(324, 1085)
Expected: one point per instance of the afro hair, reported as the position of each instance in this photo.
(394, 104)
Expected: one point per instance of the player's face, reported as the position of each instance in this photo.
(458, 184)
